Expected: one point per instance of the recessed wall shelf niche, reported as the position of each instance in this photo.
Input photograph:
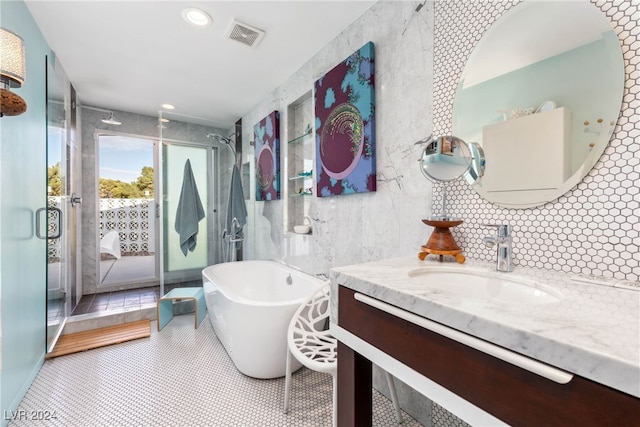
(300, 117)
(302, 138)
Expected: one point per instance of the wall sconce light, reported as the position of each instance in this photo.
(12, 73)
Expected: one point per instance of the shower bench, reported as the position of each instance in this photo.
(164, 308)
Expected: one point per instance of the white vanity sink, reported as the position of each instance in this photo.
(591, 331)
(484, 285)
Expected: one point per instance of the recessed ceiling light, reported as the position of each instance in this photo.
(197, 17)
(168, 106)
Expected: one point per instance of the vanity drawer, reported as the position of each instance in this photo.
(510, 393)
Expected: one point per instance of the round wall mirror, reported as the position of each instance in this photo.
(541, 94)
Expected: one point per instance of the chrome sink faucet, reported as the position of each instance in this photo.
(503, 241)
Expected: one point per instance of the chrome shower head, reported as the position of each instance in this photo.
(110, 120)
(225, 140)
(219, 138)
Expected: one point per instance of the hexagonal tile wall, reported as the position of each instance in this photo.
(594, 229)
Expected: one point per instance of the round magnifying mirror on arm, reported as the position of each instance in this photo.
(445, 159)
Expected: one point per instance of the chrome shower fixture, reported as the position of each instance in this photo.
(224, 139)
(111, 121)
(220, 138)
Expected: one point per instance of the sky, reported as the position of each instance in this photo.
(122, 157)
(54, 141)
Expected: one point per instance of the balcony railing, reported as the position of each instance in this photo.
(133, 219)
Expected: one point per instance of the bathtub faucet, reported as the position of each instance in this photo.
(234, 235)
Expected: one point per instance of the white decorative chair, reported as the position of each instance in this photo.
(310, 342)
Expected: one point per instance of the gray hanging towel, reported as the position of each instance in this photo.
(236, 207)
(189, 212)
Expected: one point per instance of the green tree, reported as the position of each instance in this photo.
(106, 187)
(117, 189)
(128, 190)
(54, 178)
(145, 180)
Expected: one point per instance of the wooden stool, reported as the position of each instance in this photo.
(164, 308)
(441, 241)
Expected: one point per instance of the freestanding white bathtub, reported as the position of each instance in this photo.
(250, 305)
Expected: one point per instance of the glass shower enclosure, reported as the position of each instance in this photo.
(192, 175)
(56, 222)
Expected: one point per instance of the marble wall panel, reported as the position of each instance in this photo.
(368, 226)
(361, 227)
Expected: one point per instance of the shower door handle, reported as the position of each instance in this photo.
(38, 222)
(75, 200)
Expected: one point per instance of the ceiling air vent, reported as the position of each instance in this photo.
(245, 34)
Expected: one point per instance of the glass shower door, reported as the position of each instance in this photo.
(187, 212)
(59, 223)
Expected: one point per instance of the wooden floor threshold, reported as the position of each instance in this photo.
(87, 340)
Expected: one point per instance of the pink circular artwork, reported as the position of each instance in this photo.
(341, 141)
(264, 171)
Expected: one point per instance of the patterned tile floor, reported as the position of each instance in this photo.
(180, 376)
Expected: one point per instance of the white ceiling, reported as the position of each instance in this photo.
(136, 55)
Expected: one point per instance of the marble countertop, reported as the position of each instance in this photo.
(592, 331)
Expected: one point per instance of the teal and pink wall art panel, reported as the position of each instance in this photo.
(345, 126)
(267, 151)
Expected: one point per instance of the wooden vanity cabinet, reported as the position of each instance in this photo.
(510, 393)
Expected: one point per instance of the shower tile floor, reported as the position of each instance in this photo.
(118, 300)
(179, 376)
